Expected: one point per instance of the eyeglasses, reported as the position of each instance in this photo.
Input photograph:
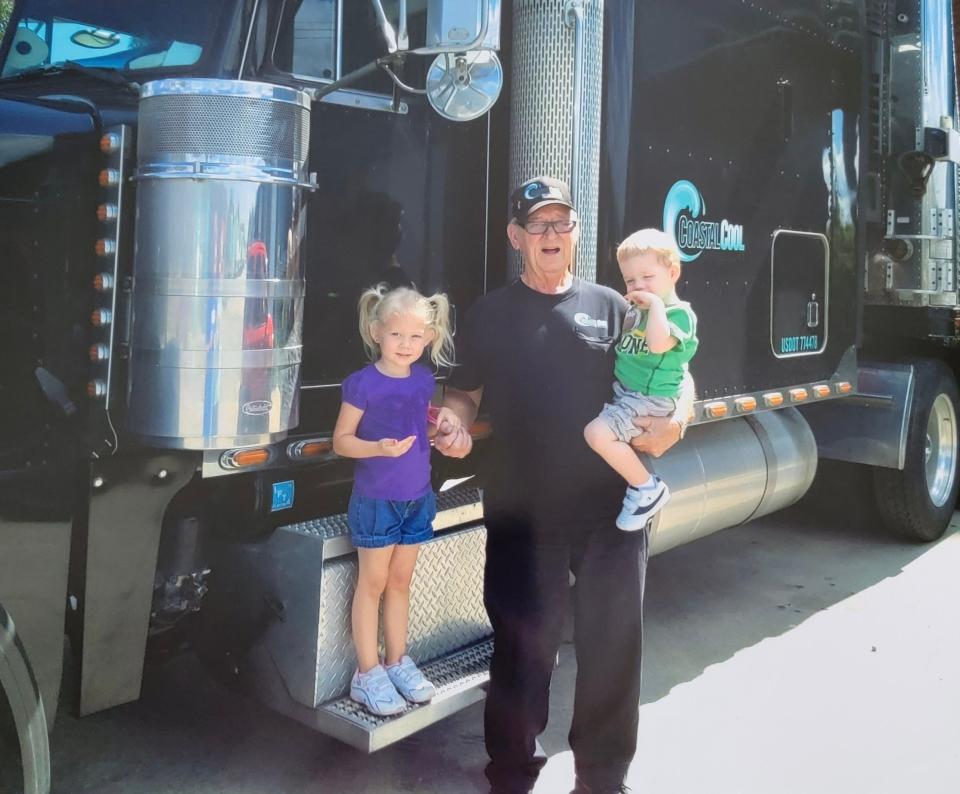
(540, 227)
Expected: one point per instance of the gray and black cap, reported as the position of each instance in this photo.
(536, 193)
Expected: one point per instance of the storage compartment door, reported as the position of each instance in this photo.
(799, 279)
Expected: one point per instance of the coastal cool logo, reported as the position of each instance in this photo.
(681, 217)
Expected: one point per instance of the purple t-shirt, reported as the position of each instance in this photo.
(392, 408)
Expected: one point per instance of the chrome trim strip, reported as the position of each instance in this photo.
(223, 288)
(117, 160)
(221, 359)
(246, 44)
(846, 372)
(204, 86)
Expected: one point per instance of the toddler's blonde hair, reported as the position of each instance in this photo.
(660, 243)
(379, 302)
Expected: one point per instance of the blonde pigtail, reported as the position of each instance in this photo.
(367, 310)
(441, 349)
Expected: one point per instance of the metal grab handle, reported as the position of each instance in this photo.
(813, 312)
(574, 17)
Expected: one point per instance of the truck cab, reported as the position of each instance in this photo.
(193, 196)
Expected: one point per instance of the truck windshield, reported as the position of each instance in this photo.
(125, 36)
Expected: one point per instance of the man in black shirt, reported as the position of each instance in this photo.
(538, 355)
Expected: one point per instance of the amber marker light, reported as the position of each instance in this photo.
(98, 353)
(746, 404)
(105, 247)
(844, 388)
(100, 318)
(109, 177)
(821, 390)
(103, 282)
(109, 142)
(798, 395)
(310, 449)
(773, 399)
(716, 410)
(96, 389)
(244, 458)
(106, 212)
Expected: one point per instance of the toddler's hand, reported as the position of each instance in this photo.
(392, 448)
(642, 298)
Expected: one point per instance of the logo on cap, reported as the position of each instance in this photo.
(533, 191)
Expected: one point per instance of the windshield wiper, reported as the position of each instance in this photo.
(71, 67)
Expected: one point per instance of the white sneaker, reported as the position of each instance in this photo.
(374, 691)
(410, 682)
(642, 504)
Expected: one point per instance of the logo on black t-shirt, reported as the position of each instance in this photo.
(584, 319)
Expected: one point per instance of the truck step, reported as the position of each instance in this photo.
(460, 679)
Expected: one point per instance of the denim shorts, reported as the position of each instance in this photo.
(619, 414)
(375, 523)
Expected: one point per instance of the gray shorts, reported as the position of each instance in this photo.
(618, 415)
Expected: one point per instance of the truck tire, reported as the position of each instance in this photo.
(22, 710)
(918, 502)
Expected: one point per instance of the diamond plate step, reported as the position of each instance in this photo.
(460, 679)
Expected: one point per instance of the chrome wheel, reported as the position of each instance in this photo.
(941, 449)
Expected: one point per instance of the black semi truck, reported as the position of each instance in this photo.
(193, 195)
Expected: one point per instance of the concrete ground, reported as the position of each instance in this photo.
(783, 656)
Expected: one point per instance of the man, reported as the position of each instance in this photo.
(538, 355)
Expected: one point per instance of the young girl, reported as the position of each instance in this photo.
(383, 423)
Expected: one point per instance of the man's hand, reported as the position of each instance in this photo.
(453, 437)
(659, 434)
(392, 448)
(452, 440)
(448, 417)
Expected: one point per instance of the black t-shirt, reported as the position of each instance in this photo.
(545, 363)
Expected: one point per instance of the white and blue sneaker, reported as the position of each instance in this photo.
(410, 682)
(374, 691)
(642, 504)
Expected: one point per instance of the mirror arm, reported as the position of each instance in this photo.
(351, 77)
(399, 83)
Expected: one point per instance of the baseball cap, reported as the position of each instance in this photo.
(536, 193)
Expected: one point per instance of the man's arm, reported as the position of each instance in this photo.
(457, 442)
(662, 432)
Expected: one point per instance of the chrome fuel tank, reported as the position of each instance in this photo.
(218, 282)
(727, 473)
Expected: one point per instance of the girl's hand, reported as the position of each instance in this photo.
(392, 448)
(642, 298)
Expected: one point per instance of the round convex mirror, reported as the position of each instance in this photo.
(463, 86)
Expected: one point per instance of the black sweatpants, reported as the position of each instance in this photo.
(526, 593)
